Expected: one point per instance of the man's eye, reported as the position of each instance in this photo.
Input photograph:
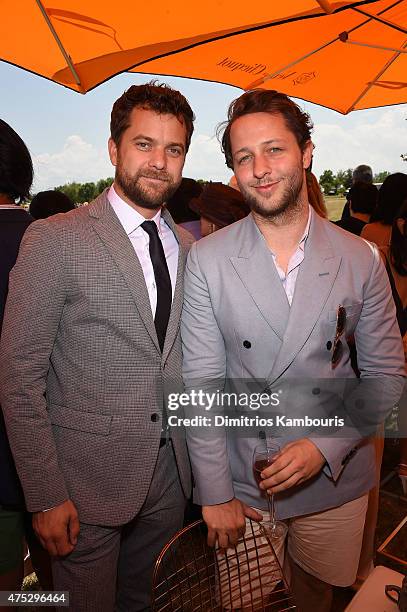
(275, 150)
(175, 151)
(244, 159)
(142, 145)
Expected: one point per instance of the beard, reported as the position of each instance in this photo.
(276, 206)
(150, 197)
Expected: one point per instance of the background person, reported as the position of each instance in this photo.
(395, 257)
(16, 176)
(361, 174)
(47, 203)
(362, 200)
(391, 195)
(218, 205)
(178, 206)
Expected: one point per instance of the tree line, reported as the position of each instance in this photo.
(338, 183)
(330, 182)
(84, 192)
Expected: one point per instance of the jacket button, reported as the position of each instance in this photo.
(155, 417)
(247, 344)
(329, 345)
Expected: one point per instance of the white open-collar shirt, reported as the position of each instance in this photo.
(131, 221)
(289, 278)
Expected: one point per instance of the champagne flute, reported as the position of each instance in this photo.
(264, 455)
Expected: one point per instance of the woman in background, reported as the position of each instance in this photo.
(391, 195)
(395, 258)
(16, 176)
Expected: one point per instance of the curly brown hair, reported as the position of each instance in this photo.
(158, 97)
(265, 101)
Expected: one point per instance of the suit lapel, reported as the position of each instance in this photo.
(111, 232)
(176, 308)
(314, 283)
(256, 270)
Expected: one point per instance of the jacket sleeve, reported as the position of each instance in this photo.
(204, 370)
(382, 374)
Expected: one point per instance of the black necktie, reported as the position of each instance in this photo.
(162, 281)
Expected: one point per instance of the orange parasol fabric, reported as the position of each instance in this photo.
(310, 49)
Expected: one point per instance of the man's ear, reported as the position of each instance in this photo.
(307, 154)
(112, 147)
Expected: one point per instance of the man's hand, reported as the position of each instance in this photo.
(58, 528)
(296, 462)
(226, 522)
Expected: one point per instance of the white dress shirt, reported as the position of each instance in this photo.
(131, 221)
(289, 278)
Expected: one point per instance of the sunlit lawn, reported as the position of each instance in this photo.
(335, 206)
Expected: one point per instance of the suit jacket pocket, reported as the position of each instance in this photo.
(62, 416)
(352, 310)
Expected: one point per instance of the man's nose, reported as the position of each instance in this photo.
(158, 158)
(261, 166)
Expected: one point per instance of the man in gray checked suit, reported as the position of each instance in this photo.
(90, 347)
(273, 298)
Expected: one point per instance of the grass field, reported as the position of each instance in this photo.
(335, 206)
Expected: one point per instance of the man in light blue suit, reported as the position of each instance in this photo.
(274, 297)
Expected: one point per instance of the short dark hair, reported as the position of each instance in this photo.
(362, 174)
(158, 97)
(391, 195)
(178, 203)
(16, 168)
(363, 198)
(265, 101)
(47, 203)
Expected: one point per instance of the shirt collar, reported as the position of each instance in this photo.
(303, 239)
(129, 218)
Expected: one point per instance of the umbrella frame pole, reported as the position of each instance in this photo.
(351, 108)
(326, 6)
(343, 37)
(380, 20)
(59, 43)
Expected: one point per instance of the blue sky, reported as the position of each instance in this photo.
(67, 132)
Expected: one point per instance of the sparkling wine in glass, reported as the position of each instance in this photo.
(265, 454)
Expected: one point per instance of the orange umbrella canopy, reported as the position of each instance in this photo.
(343, 55)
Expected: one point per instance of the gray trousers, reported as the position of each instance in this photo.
(111, 568)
